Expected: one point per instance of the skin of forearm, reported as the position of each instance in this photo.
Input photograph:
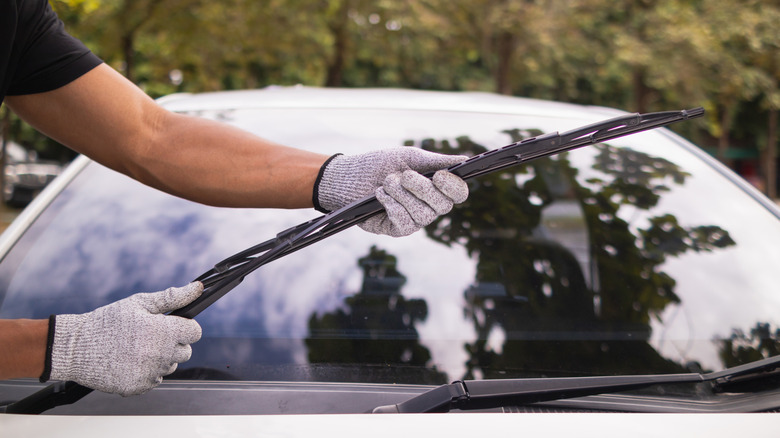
(22, 347)
(109, 119)
(216, 164)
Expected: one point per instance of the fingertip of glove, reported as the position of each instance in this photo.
(197, 287)
(197, 332)
(170, 299)
(189, 331)
(409, 175)
(457, 159)
(188, 292)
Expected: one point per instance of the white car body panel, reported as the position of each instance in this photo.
(379, 426)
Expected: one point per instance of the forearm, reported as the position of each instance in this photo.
(22, 347)
(216, 164)
(107, 118)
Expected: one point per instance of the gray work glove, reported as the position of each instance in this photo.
(411, 201)
(127, 346)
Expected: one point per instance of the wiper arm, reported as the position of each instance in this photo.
(229, 273)
(486, 394)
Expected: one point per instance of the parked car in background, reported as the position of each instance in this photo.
(641, 256)
(25, 175)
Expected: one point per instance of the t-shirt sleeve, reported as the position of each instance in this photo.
(50, 57)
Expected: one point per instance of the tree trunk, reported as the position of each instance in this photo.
(505, 49)
(131, 27)
(341, 40)
(725, 130)
(641, 90)
(128, 53)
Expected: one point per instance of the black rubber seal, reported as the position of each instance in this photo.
(314, 198)
(49, 345)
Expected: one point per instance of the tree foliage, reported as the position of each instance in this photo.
(639, 55)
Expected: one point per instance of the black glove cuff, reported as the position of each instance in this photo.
(314, 196)
(49, 344)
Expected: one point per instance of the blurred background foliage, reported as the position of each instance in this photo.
(637, 55)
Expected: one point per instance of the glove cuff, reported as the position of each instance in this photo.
(66, 364)
(49, 346)
(315, 197)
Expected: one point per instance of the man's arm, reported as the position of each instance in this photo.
(22, 347)
(109, 119)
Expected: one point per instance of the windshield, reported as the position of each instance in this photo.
(633, 257)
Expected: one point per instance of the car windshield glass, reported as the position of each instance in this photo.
(633, 257)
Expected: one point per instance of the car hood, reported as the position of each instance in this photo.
(581, 425)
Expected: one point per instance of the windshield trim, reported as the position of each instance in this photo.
(14, 232)
(723, 171)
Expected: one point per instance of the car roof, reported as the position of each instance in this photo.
(299, 97)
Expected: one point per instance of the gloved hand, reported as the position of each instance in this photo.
(127, 346)
(411, 200)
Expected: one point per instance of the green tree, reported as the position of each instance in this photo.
(639, 55)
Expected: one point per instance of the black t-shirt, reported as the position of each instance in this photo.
(36, 54)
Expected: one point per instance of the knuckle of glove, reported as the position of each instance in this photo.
(425, 190)
(451, 185)
(381, 224)
(397, 222)
(420, 212)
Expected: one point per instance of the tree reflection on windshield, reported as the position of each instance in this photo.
(375, 329)
(741, 348)
(565, 284)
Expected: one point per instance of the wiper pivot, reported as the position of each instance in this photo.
(486, 394)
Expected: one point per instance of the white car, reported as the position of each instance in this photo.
(639, 257)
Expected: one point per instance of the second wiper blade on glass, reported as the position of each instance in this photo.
(486, 394)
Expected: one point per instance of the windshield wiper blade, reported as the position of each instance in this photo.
(230, 272)
(487, 394)
(227, 274)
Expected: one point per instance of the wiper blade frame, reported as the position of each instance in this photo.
(227, 274)
(486, 394)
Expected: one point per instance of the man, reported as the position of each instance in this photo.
(55, 84)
